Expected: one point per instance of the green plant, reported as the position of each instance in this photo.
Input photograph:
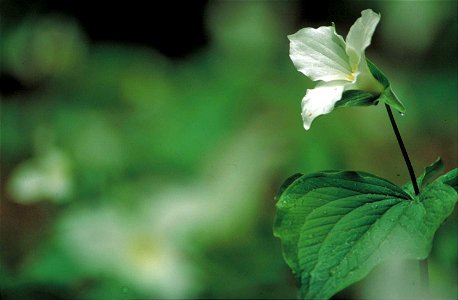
(336, 226)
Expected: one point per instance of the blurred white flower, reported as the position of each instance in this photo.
(155, 245)
(46, 177)
(109, 241)
(338, 65)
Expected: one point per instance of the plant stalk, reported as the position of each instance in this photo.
(413, 178)
(424, 276)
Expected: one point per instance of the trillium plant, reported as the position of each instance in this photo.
(336, 226)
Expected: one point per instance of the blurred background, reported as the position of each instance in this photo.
(142, 144)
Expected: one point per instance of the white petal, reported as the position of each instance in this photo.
(320, 54)
(360, 35)
(365, 81)
(321, 100)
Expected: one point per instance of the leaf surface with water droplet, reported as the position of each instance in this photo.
(336, 226)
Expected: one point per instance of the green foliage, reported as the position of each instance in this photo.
(356, 98)
(387, 95)
(378, 74)
(428, 174)
(336, 226)
(362, 98)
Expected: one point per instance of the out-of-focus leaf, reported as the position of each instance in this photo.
(43, 47)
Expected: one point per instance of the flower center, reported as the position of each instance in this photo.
(351, 77)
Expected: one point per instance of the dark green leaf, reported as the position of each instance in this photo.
(428, 174)
(287, 183)
(356, 98)
(390, 98)
(387, 96)
(438, 199)
(335, 227)
(378, 74)
(306, 194)
(450, 179)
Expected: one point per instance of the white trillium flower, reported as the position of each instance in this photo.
(323, 55)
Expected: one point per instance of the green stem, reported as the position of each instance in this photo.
(424, 277)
